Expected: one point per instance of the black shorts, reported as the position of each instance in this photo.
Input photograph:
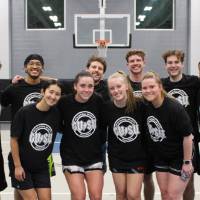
(32, 180)
(117, 165)
(168, 165)
(131, 170)
(39, 179)
(3, 183)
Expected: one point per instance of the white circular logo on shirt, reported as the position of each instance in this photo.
(84, 124)
(181, 96)
(126, 129)
(31, 98)
(41, 137)
(155, 129)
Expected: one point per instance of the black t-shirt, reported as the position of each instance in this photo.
(101, 88)
(81, 141)
(36, 131)
(125, 135)
(20, 94)
(137, 87)
(167, 126)
(185, 91)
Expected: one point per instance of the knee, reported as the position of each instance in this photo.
(133, 196)
(78, 196)
(95, 197)
(120, 195)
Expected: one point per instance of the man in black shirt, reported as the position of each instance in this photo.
(27, 90)
(135, 63)
(97, 67)
(185, 89)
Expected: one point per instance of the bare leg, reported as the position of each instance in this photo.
(134, 186)
(176, 187)
(120, 185)
(44, 193)
(76, 185)
(149, 188)
(17, 195)
(94, 181)
(29, 194)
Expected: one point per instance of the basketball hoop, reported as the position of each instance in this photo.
(102, 47)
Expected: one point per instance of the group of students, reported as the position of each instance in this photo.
(146, 129)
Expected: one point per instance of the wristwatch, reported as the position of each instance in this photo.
(187, 162)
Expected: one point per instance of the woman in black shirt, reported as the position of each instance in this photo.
(81, 143)
(169, 138)
(33, 132)
(126, 152)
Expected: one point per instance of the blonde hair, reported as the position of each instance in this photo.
(131, 99)
(156, 77)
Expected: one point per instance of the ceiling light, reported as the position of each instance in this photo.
(54, 18)
(47, 8)
(137, 23)
(147, 8)
(57, 24)
(141, 17)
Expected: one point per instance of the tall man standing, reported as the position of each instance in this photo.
(135, 63)
(185, 89)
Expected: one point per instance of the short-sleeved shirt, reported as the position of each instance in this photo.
(185, 91)
(36, 131)
(81, 141)
(167, 126)
(126, 146)
(20, 94)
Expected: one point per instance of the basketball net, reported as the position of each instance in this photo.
(102, 47)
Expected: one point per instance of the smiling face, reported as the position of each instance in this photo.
(174, 67)
(34, 69)
(135, 64)
(118, 89)
(96, 69)
(51, 95)
(152, 91)
(84, 88)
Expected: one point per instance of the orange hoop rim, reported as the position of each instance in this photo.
(102, 43)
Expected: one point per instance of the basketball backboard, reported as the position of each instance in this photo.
(89, 28)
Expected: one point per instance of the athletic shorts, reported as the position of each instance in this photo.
(171, 166)
(32, 180)
(39, 179)
(82, 169)
(131, 170)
